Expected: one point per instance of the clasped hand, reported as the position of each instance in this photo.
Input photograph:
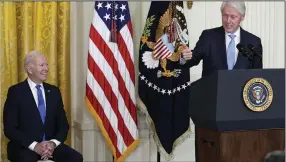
(45, 149)
(187, 53)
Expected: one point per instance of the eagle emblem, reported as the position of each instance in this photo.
(257, 94)
(171, 35)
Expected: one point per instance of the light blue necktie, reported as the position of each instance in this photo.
(231, 52)
(41, 106)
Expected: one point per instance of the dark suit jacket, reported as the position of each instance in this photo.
(211, 49)
(22, 121)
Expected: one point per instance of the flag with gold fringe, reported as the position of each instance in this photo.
(110, 87)
(163, 85)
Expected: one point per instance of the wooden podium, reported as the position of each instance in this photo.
(226, 129)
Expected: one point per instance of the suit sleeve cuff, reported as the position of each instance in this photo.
(32, 146)
(56, 142)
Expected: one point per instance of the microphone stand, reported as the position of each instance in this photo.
(246, 53)
(257, 51)
(251, 63)
(250, 58)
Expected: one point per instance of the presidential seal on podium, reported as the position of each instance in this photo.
(257, 94)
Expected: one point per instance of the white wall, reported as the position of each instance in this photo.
(264, 19)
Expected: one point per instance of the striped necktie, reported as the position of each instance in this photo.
(231, 52)
(41, 106)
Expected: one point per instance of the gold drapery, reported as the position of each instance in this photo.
(26, 26)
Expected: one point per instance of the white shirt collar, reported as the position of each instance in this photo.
(236, 33)
(33, 84)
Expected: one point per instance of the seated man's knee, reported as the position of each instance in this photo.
(78, 157)
(75, 156)
(28, 156)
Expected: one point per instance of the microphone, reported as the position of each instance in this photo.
(256, 50)
(244, 51)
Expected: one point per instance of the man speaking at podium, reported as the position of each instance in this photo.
(226, 47)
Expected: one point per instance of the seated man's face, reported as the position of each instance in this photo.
(40, 68)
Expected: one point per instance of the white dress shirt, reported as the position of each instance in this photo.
(236, 39)
(35, 95)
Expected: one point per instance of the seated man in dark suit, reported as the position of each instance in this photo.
(217, 46)
(34, 117)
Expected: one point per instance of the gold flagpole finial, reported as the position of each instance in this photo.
(190, 4)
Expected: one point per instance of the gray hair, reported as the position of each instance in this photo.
(238, 5)
(29, 58)
(275, 156)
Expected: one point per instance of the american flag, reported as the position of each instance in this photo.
(110, 87)
(163, 49)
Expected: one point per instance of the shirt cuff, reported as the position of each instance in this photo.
(32, 146)
(56, 142)
(182, 60)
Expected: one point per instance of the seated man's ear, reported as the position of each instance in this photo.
(29, 69)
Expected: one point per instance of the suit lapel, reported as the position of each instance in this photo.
(31, 100)
(239, 56)
(222, 48)
(242, 33)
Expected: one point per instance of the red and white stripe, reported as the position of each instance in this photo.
(110, 87)
(161, 51)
